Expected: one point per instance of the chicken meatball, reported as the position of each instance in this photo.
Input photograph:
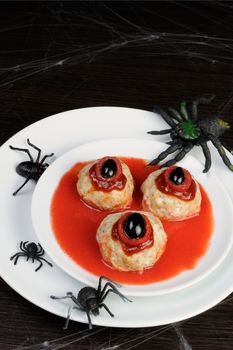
(106, 184)
(131, 240)
(171, 194)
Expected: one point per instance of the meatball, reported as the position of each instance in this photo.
(170, 205)
(119, 253)
(106, 184)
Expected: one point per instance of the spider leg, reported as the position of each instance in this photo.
(175, 114)
(41, 251)
(104, 296)
(183, 110)
(41, 263)
(194, 105)
(25, 182)
(23, 150)
(24, 245)
(36, 148)
(46, 261)
(89, 319)
(113, 289)
(178, 157)
(38, 268)
(107, 309)
(217, 144)
(69, 295)
(18, 255)
(46, 156)
(175, 141)
(68, 316)
(227, 147)
(40, 254)
(160, 132)
(207, 155)
(174, 147)
(13, 256)
(107, 279)
(165, 116)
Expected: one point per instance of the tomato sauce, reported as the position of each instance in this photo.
(75, 225)
(107, 185)
(164, 187)
(132, 246)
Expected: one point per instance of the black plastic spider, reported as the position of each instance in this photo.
(31, 251)
(188, 131)
(31, 169)
(90, 299)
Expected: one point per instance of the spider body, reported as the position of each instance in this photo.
(90, 300)
(31, 251)
(188, 131)
(31, 169)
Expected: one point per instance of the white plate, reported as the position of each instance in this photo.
(59, 134)
(221, 239)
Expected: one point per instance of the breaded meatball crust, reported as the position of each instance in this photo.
(167, 206)
(113, 200)
(113, 253)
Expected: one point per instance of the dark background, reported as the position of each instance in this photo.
(56, 56)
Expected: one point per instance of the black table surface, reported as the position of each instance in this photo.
(57, 56)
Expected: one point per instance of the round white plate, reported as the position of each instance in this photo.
(221, 239)
(59, 134)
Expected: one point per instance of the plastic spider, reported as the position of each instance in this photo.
(31, 251)
(188, 131)
(31, 169)
(90, 299)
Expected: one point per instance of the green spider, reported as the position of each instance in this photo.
(188, 131)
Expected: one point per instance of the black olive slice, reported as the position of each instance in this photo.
(134, 226)
(108, 169)
(177, 176)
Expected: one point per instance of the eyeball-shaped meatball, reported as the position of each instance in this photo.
(131, 240)
(171, 194)
(106, 184)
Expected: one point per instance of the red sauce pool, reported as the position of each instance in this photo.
(75, 225)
